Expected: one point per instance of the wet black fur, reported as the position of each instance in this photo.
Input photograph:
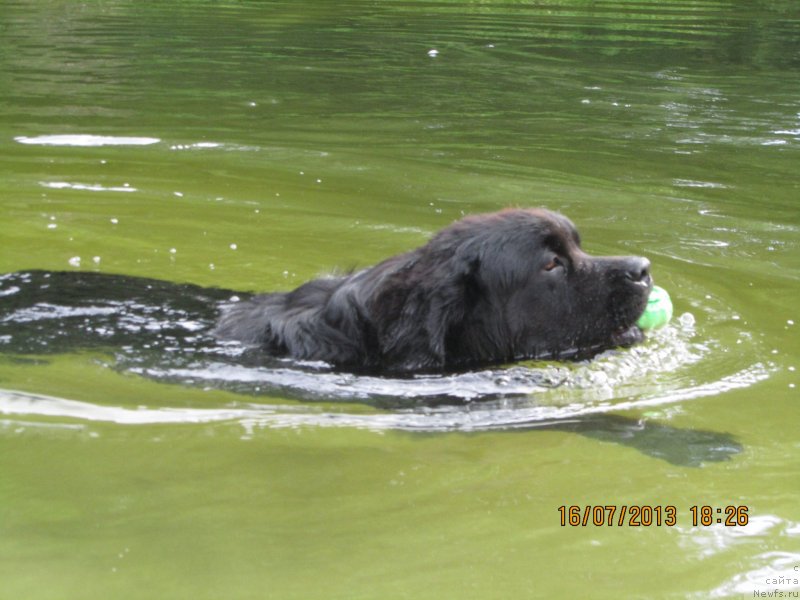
(487, 289)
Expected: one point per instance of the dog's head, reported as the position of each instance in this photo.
(505, 286)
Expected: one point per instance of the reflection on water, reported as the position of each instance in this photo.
(686, 447)
(85, 140)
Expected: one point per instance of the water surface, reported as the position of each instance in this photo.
(208, 149)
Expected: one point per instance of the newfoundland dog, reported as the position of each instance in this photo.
(488, 289)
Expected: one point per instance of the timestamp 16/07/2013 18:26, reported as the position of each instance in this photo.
(646, 515)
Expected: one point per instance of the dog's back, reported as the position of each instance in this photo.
(313, 322)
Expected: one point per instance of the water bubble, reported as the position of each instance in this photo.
(114, 220)
(233, 246)
(433, 53)
(75, 261)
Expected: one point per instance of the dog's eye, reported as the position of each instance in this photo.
(554, 263)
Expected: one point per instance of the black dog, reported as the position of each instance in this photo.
(487, 289)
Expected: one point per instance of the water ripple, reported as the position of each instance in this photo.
(500, 414)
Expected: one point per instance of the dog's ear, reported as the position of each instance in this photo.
(419, 304)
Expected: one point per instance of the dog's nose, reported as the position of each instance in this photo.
(637, 269)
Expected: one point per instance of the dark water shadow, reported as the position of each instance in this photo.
(53, 312)
(683, 447)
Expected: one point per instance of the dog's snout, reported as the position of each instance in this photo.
(637, 269)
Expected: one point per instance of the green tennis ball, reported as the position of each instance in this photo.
(658, 311)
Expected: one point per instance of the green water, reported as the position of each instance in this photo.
(289, 139)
